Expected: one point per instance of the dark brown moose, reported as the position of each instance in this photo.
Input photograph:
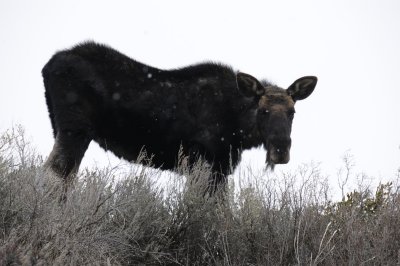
(208, 110)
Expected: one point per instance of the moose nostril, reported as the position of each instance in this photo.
(281, 151)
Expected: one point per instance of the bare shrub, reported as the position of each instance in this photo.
(267, 219)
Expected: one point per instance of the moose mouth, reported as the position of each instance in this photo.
(277, 155)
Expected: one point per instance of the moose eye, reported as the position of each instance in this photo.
(264, 111)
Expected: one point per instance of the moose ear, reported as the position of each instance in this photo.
(302, 88)
(248, 85)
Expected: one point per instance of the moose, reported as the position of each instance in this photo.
(207, 111)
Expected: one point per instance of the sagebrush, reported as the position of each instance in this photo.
(130, 218)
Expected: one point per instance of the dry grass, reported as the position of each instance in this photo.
(283, 219)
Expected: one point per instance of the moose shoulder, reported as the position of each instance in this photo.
(96, 93)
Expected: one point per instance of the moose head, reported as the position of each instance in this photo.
(274, 111)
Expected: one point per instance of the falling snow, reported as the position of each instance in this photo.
(116, 96)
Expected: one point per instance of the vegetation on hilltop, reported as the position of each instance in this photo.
(280, 219)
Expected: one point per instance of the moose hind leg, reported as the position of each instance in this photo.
(67, 154)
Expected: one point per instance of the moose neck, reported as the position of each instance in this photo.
(248, 131)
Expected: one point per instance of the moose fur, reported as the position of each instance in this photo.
(208, 110)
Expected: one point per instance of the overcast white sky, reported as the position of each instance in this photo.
(352, 46)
